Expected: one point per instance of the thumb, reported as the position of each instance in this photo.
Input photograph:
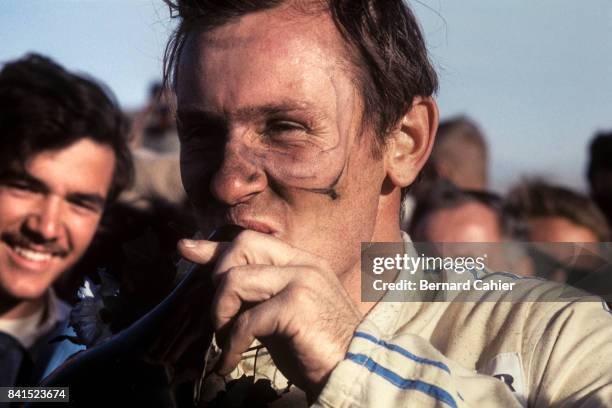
(200, 251)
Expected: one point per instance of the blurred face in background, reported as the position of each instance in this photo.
(468, 222)
(49, 211)
(556, 262)
(270, 127)
(558, 229)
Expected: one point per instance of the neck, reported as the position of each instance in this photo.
(18, 309)
(386, 229)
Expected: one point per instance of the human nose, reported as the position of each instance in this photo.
(237, 179)
(45, 220)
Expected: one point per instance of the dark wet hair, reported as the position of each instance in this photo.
(44, 107)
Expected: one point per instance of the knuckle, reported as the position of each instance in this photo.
(218, 276)
(242, 322)
(221, 292)
(301, 295)
(314, 280)
(232, 277)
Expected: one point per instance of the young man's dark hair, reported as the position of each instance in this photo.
(63, 158)
(43, 107)
(383, 39)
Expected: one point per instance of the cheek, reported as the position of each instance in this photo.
(81, 231)
(314, 170)
(12, 209)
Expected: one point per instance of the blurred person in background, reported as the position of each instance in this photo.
(64, 158)
(157, 123)
(445, 213)
(155, 147)
(599, 173)
(555, 214)
(460, 154)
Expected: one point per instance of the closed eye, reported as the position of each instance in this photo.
(23, 186)
(24, 183)
(284, 126)
(85, 205)
(90, 202)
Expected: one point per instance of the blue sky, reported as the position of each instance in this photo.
(536, 75)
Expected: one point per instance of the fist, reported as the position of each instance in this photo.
(288, 299)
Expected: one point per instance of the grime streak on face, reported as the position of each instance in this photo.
(330, 190)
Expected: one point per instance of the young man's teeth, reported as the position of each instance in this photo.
(33, 255)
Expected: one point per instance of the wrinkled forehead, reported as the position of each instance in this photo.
(262, 48)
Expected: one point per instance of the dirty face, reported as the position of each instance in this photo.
(271, 135)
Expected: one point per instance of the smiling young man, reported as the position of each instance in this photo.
(303, 121)
(63, 158)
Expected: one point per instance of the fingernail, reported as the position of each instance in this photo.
(189, 243)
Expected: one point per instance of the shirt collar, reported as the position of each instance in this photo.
(28, 329)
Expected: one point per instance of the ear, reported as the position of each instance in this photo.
(409, 144)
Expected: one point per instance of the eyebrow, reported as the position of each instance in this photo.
(33, 182)
(247, 113)
(93, 199)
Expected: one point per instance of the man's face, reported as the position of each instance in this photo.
(49, 212)
(269, 119)
(558, 229)
(470, 222)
